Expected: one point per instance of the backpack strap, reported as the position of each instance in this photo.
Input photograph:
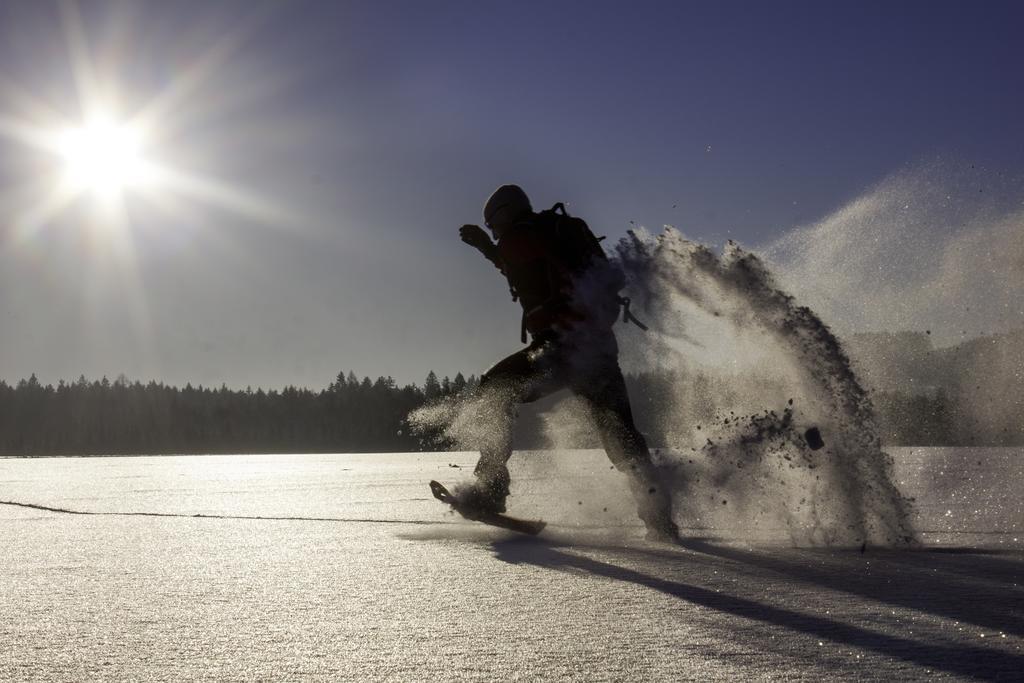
(628, 317)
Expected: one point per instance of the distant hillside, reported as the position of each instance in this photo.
(968, 394)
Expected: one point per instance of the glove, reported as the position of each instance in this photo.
(474, 236)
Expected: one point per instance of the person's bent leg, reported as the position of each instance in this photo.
(517, 379)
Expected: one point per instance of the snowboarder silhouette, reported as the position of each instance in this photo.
(568, 290)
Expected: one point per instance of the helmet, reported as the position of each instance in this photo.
(510, 202)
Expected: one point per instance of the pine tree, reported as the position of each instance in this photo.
(431, 387)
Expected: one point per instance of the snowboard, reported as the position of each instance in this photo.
(523, 526)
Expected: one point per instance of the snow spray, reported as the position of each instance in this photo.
(785, 435)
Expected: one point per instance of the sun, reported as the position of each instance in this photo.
(103, 156)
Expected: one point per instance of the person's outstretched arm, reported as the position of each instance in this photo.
(474, 236)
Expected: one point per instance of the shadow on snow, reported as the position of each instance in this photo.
(926, 581)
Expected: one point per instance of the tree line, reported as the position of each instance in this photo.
(123, 417)
(355, 415)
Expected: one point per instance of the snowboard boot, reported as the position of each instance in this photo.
(488, 492)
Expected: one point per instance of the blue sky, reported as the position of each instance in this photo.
(373, 130)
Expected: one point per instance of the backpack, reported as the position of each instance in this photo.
(578, 251)
(574, 246)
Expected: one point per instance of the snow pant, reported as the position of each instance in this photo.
(587, 364)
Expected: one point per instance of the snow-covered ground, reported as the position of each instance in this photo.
(364, 576)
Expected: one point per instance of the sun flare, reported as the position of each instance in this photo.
(104, 159)
(103, 156)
